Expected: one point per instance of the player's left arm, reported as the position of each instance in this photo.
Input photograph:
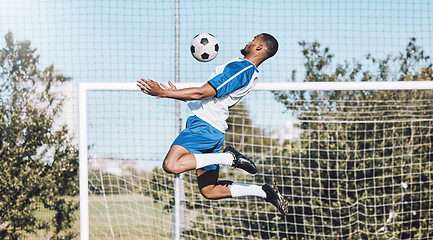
(153, 88)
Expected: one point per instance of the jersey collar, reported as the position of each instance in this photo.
(250, 63)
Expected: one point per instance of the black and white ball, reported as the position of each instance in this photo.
(204, 47)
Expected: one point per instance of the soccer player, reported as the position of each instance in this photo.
(197, 146)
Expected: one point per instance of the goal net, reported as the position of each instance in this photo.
(353, 164)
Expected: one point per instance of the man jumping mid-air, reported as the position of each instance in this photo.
(197, 147)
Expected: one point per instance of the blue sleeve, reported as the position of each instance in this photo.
(234, 77)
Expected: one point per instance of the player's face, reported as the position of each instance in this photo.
(250, 46)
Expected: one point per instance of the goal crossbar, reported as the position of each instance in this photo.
(295, 86)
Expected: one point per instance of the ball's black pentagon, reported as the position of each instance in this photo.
(217, 47)
(192, 49)
(205, 56)
(204, 41)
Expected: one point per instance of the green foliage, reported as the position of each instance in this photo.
(242, 134)
(346, 180)
(38, 162)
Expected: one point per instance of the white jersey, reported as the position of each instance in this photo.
(232, 81)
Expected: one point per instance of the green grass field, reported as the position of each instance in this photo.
(132, 216)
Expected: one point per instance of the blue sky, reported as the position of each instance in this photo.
(116, 41)
(120, 41)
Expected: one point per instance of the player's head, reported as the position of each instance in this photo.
(263, 44)
(271, 44)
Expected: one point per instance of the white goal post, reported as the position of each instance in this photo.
(86, 88)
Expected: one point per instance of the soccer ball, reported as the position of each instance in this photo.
(204, 47)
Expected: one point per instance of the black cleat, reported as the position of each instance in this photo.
(241, 161)
(273, 196)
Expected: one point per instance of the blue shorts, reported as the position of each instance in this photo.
(200, 137)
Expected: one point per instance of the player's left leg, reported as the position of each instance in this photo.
(210, 187)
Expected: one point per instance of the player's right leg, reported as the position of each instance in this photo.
(178, 160)
(197, 146)
(240, 161)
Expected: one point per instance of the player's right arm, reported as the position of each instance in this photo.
(153, 88)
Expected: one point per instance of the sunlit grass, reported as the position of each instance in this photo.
(131, 216)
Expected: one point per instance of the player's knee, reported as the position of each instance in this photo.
(208, 193)
(170, 167)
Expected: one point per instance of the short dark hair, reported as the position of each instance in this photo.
(271, 44)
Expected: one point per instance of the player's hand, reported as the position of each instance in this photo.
(151, 87)
(169, 87)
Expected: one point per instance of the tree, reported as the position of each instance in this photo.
(358, 160)
(242, 134)
(38, 162)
